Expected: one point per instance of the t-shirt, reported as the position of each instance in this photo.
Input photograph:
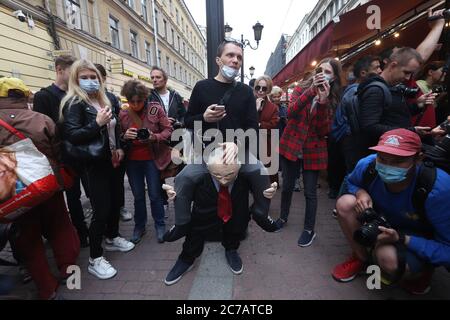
(165, 98)
(241, 108)
(400, 213)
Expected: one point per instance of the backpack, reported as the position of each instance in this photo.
(351, 106)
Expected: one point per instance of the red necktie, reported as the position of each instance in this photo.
(224, 204)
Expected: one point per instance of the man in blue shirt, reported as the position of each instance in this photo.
(421, 244)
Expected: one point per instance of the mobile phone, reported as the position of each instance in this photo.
(219, 108)
(320, 70)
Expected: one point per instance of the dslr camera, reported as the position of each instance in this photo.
(177, 125)
(407, 92)
(368, 233)
(439, 89)
(143, 134)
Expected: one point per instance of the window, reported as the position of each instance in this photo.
(171, 6)
(182, 23)
(131, 3)
(156, 21)
(134, 44)
(166, 33)
(174, 69)
(168, 64)
(114, 31)
(181, 73)
(144, 10)
(179, 43)
(184, 49)
(177, 16)
(185, 76)
(173, 36)
(73, 13)
(148, 53)
(159, 57)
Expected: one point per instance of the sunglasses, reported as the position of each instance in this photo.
(259, 88)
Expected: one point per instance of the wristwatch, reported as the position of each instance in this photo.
(401, 237)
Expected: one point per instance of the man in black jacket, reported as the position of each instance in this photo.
(378, 113)
(48, 99)
(239, 112)
(169, 99)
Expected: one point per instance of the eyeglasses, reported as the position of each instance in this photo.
(259, 88)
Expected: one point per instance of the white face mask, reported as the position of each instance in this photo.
(229, 73)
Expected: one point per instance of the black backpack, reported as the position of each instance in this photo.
(351, 107)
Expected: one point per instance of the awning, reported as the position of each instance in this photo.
(352, 27)
(338, 38)
(314, 50)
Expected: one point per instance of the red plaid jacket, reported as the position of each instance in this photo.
(305, 134)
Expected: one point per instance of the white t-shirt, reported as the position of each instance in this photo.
(166, 99)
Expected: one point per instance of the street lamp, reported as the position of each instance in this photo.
(257, 30)
(228, 31)
(252, 71)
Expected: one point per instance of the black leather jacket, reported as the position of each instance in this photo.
(79, 125)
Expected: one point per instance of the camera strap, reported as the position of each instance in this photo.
(227, 96)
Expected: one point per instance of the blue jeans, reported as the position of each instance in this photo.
(138, 172)
(291, 171)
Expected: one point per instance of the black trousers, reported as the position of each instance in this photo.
(104, 183)
(336, 165)
(73, 196)
(232, 233)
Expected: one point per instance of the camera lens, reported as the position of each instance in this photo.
(143, 134)
(367, 234)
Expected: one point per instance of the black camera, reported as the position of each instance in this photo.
(407, 92)
(143, 134)
(368, 233)
(177, 125)
(445, 126)
(439, 89)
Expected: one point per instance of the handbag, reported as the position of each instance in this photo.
(29, 179)
(97, 149)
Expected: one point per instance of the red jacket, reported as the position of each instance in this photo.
(157, 122)
(306, 130)
(268, 119)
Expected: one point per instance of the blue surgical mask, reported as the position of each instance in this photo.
(390, 174)
(329, 78)
(90, 86)
(229, 73)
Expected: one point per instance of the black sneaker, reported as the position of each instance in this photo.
(234, 261)
(177, 272)
(306, 239)
(280, 224)
(160, 231)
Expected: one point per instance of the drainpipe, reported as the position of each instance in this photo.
(51, 26)
(155, 31)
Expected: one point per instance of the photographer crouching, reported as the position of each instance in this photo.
(397, 214)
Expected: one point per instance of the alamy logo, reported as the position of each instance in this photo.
(74, 280)
(374, 21)
(374, 280)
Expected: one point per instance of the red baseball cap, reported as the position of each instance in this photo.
(399, 142)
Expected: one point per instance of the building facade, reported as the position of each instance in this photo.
(312, 23)
(119, 34)
(277, 59)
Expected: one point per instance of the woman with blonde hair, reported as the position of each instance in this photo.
(92, 140)
(267, 114)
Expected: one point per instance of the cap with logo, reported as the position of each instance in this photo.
(7, 84)
(399, 142)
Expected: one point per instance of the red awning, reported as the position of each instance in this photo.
(349, 31)
(352, 27)
(314, 50)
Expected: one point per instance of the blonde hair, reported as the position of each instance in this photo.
(276, 90)
(75, 94)
(268, 81)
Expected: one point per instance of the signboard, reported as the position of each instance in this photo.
(57, 53)
(117, 66)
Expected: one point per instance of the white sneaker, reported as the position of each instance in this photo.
(118, 244)
(101, 268)
(125, 215)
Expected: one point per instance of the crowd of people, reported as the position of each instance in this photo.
(378, 127)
